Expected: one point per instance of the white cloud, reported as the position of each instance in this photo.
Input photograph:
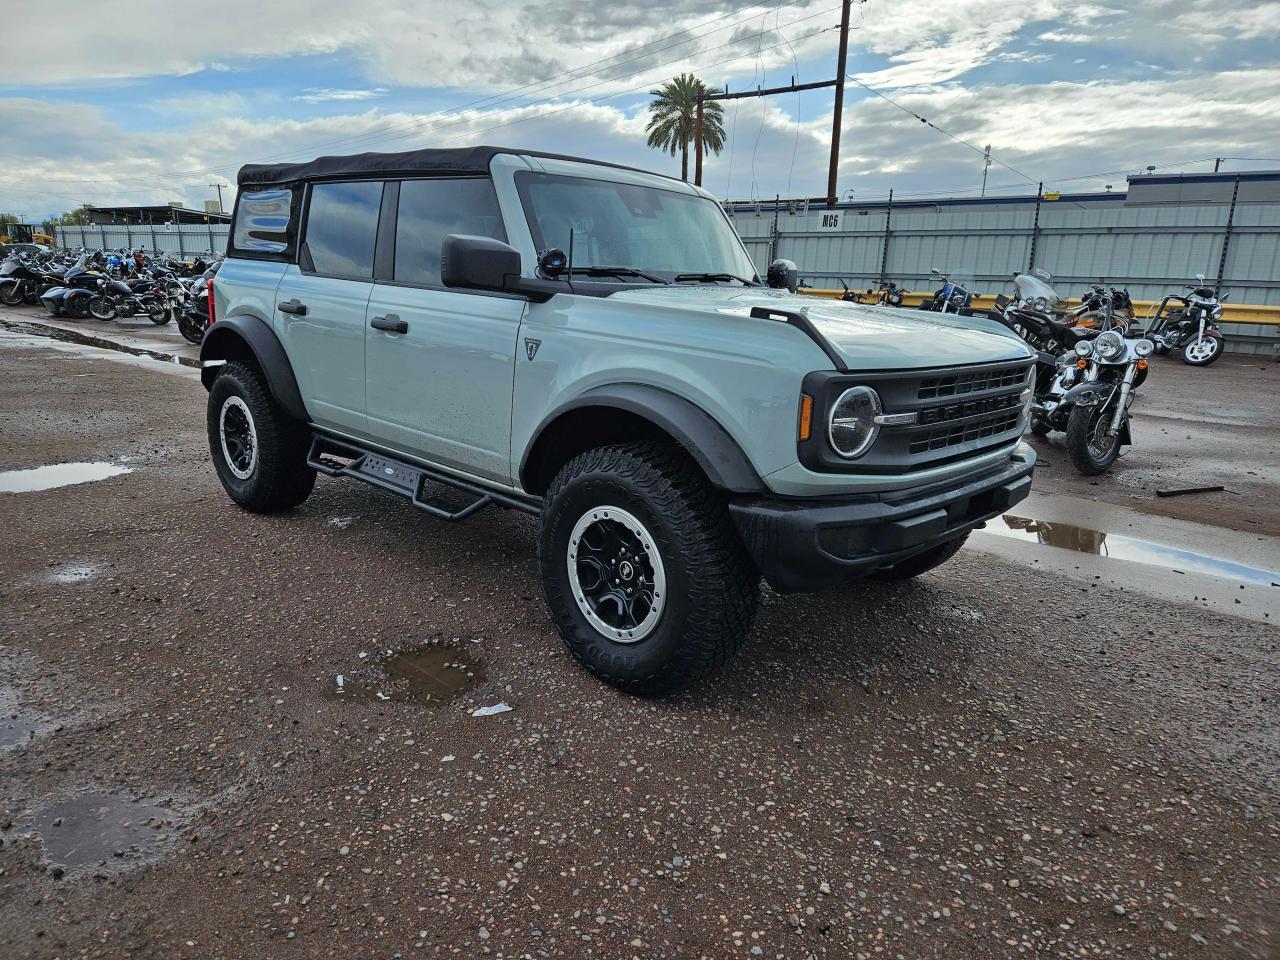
(331, 94)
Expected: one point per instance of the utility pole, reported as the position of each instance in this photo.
(841, 62)
(218, 187)
(986, 165)
(838, 116)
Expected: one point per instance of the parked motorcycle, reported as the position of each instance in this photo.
(1192, 326)
(952, 297)
(1090, 398)
(890, 294)
(193, 322)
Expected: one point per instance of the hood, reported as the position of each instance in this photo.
(866, 336)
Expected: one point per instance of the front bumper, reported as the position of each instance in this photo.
(804, 545)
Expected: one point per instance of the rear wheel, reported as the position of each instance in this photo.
(644, 574)
(1092, 451)
(259, 451)
(922, 562)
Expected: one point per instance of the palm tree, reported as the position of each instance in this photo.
(674, 116)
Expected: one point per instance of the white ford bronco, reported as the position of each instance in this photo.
(591, 344)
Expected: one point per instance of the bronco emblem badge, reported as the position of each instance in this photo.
(531, 347)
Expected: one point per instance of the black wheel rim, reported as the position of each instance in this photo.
(616, 574)
(239, 438)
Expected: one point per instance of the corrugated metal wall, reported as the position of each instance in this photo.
(1151, 250)
(186, 240)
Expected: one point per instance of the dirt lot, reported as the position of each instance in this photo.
(990, 762)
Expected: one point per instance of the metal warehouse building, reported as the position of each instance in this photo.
(1152, 238)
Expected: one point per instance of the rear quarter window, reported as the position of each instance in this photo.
(265, 224)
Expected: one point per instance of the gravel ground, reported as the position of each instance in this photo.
(987, 763)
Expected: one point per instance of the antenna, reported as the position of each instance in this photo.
(568, 269)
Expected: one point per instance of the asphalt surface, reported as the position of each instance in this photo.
(997, 760)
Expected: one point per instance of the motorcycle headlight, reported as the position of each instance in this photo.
(1143, 348)
(1109, 346)
(1084, 348)
(852, 429)
(1217, 312)
(1041, 304)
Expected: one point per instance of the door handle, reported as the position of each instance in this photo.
(390, 323)
(293, 306)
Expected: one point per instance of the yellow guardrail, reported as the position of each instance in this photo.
(1231, 312)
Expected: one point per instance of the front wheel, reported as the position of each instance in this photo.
(1202, 351)
(1092, 451)
(259, 451)
(191, 328)
(642, 569)
(13, 293)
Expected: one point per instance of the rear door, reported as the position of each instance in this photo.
(439, 362)
(322, 300)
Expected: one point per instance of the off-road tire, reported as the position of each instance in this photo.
(1080, 425)
(922, 562)
(712, 587)
(280, 478)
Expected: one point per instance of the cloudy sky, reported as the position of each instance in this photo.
(144, 101)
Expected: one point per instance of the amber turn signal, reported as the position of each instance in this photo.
(806, 416)
(1082, 363)
(1142, 364)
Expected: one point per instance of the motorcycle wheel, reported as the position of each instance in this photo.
(1092, 451)
(11, 294)
(1202, 352)
(77, 309)
(159, 315)
(191, 329)
(1141, 378)
(100, 308)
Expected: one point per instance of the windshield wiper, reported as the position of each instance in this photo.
(715, 276)
(604, 271)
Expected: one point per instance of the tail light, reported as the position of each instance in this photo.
(212, 317)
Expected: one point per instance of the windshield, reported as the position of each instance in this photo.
(1032, 287)
(657, 231)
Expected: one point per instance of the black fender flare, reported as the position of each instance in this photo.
(231, 336)
(700, 434)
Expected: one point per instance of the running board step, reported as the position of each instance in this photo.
(402, 478)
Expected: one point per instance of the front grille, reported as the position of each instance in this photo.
(965, 432)
(958, 384)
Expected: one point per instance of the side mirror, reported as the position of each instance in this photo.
(1200, 277)
(478, 263)
(783, 275)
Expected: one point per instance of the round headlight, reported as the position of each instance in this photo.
(853, 427)
(1041, 304)
(1109, 346)
(1083, 348)
(1216, 312)
(1143, 348)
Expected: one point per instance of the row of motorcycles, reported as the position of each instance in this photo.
(107, 285)
(1090, 359)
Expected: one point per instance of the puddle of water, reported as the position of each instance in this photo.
(74, 573)
(1100, 543)
(434, 675)
(17, 724)
(102, 828)
(57, 475)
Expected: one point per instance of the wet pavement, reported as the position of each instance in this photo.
(1035, 751)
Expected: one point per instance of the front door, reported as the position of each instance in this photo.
(439, 363)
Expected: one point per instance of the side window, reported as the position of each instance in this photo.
(342, 224)
(430, 210)
(263, 222)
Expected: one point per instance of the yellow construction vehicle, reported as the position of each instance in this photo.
(23, 233)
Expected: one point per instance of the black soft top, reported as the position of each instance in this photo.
(461, 160)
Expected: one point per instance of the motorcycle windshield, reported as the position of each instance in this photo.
(1032, 287)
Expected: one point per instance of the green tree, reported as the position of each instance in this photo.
(74, 218)
(674, 112)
